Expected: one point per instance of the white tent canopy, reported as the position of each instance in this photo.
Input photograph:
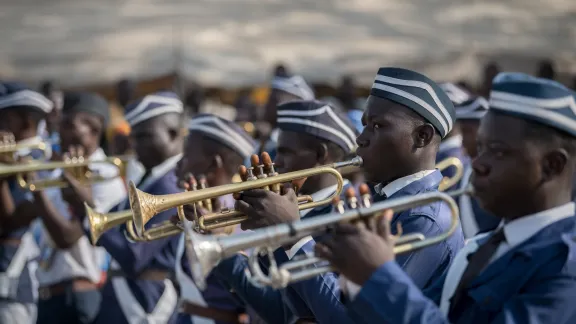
(233, 42)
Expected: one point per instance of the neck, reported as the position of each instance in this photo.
(317, 183)
(535, 205)
(429, 164)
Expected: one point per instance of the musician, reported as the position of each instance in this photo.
(214, 149)
(138, 288)
(70, 267)
(21, 109)
(522, 272)
(311, 134)
(406, 116)
(461, 143)
(283, 89)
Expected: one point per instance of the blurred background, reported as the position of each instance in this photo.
(222, 53)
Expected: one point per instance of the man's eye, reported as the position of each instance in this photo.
(376, 126)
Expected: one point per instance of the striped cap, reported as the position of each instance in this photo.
(294, 85)
(225, 132)
(153, 105)
(14, 94)
(541, 100)
(417, 92)
(466, 105)
(318, 119)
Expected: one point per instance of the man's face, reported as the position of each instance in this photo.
(469, 129)
(194, 160)
(80, 128)
(294, 153)
(386, 142)
(12, 122)
(508, 168)
(152, 140)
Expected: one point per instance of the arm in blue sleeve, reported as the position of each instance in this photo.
(390, 296)
(425, 265)
(268, 303)
(134, 257)
(321, 293)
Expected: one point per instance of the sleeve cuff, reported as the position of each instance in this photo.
(292, 252)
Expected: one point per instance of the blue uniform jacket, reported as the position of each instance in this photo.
(273, 306)
(322, 293)
(135, 257)
(25, 291)
(534, 282)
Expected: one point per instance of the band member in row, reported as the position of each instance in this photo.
(70, 267)
(214, 149)
(139, 288)
(21, 109)
(406, 117)
(311, 134)
(460, 144)
(519, 273)
(283, 89)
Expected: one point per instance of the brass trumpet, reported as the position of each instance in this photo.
(204, 252)
(145, 206)
(9, 147)
(445, 164)
(102, 222)
(85, 176)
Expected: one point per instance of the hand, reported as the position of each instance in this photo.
(77, 192)
(7, 140)
(357, 251)
(266, 208)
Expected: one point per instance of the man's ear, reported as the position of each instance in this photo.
(423, 135)
(322, 154)
(554, 163)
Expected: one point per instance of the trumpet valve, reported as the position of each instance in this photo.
(338, 205)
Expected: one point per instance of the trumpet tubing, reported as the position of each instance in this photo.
(88, 177)
(206, 251)
(449, 182)
(145, 205)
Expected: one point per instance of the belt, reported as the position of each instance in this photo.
(79, 284)
(151, 274)
(219, 315)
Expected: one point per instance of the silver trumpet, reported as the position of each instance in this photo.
(204, 252)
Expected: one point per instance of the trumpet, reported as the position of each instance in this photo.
(102, 222)
(448, 182)
(9, 147)
(145, 206)
(79, 167)
(204, 252)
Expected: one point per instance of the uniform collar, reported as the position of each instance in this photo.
(521, 229)
(401, 183)
(450, 143)
(164, 167)
(323, 194)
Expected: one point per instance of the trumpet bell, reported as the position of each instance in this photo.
(101, 222)
(203, 254)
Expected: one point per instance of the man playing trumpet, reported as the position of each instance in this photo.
(21, 109)
(406, 117)
(522, 272)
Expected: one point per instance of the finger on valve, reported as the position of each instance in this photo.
(243, 173)
(365, 196)
(269, 170)
(350, 196)
(338, 205)
(203, 184)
